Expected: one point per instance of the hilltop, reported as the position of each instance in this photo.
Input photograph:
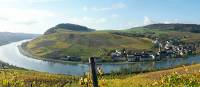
(195, 28)
(67, 27)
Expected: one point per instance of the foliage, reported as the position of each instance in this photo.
(186, 76)
(179, 80)
(24, 78)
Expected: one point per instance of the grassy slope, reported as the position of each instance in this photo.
(154, 78)
(24, 78)
(84, 44)
(99, 43)
(184, 36)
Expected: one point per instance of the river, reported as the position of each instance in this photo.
(10, 54)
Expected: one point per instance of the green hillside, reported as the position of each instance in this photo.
(26, 78)
(83, 44)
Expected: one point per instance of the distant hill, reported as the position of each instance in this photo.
(7, 37)
(68, 27)
(194, 28)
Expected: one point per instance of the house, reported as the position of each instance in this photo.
(168, 45)
(117, 56)
(131, 58)
(156, 43)
(140, 57)
(163, 54)
(71, 58)
(146, 57)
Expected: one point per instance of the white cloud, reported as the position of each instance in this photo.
(89, 21)
(130, 25)
(24, 20)
(85, 8)
(86, 20)
(114, 6)
(22, 15)
(114, 15)
(148, 21)
(119, 5)
(171, 21)
(29, 1)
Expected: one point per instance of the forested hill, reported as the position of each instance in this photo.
(68, 27)
(194, 28)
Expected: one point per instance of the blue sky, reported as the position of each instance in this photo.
(36, 16)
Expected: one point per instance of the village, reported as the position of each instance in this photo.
(165, 50)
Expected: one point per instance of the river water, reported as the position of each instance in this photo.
(10, 54)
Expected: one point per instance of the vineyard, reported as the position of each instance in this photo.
(24, 78)
(185, 76)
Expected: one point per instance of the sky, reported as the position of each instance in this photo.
(36, 16)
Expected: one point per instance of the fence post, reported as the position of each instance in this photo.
(93, 71)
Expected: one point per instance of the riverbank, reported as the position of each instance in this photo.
(25, 52)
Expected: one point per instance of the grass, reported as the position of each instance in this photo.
(25, 78)
(11, 76)
(184, 36)
(188, 76)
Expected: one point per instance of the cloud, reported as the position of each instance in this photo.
(114, 15)
(24, 20)
(148, 21)
(24, 15)
(171, 21)
(119, 5)
(114, 6)
(85, 8)
(28, 1)
(87, 20)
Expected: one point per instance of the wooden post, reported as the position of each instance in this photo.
(93, 71)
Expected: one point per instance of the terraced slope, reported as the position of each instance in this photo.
(83, 44)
